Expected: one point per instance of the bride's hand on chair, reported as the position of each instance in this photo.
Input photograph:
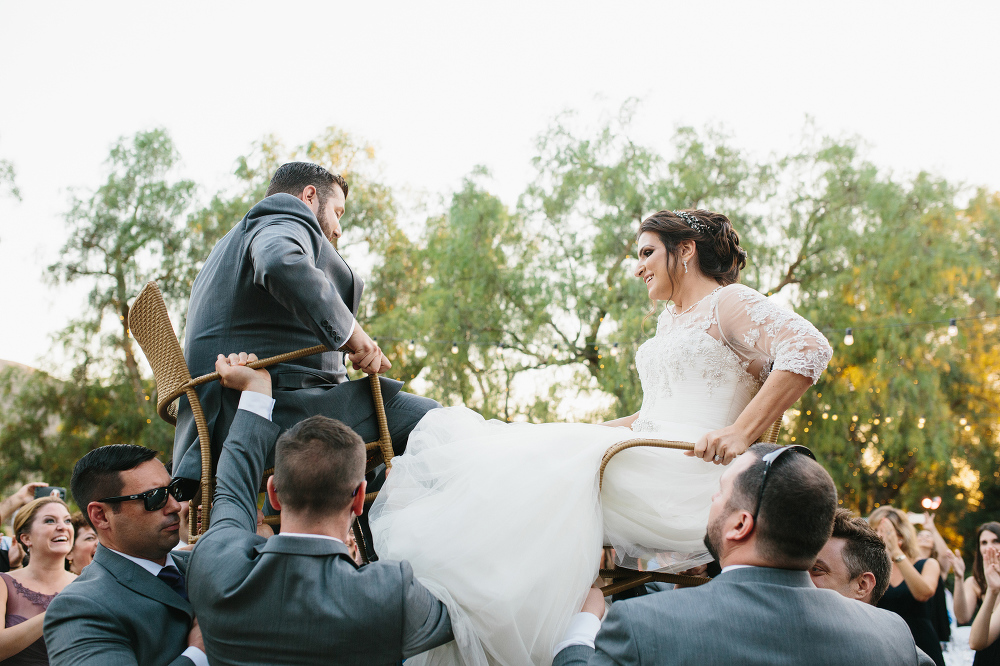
(721, 446)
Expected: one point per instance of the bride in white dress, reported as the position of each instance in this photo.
(504, 522)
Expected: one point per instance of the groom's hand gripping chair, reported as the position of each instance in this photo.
(149, 324)
(622, 578)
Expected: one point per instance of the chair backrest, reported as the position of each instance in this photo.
(149, 323)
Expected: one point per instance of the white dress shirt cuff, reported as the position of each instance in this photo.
(582, 630)
(354, 322)
(258, 403)
(196, 655)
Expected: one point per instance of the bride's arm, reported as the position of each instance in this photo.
(625, 421)
(781, 390)
(766, 337)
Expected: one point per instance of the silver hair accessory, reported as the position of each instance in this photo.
(693, 221)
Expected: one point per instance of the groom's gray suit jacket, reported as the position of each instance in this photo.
(297, 600)
(273, 284)
(753, 615)
(118, 614)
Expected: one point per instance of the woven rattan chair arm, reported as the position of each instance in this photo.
(631, 443)
(263, 363)
(163, 408)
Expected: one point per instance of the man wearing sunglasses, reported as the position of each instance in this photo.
(771, 516)
(130, 606)
(298, 597)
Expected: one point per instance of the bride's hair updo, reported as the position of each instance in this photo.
(720, 256)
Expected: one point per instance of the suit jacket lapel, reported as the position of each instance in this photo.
(140, 581)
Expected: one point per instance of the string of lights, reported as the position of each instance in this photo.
(615, 346)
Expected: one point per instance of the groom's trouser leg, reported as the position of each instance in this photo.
(402, 412)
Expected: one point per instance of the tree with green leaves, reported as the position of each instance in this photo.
(125, 233)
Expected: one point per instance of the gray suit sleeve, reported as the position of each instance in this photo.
(241, 467)
(80, 632)
(615, 643)
(574, 655)
(283, 258)
(426, 623)
(923, 659)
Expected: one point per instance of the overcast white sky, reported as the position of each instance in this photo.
(440, 87)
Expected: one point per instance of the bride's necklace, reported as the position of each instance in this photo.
(693, 305)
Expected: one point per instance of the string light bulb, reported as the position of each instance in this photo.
(412, 345)
(952, 327)
(614, 349)
(849, 337)
(454, 348)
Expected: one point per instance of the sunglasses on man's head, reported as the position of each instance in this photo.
(769, 459)
(155, 499)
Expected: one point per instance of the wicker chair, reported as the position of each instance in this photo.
(149, 324)
(623, 578)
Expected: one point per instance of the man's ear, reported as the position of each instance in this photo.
(740, 526)
(863, 586)
(272, 492)
(358, 504)
(309, 194)
(98, 514)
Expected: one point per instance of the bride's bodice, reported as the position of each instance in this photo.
(706, 364)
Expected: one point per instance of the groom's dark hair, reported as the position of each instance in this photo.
(318, 464)
(293, 177)
(795, 517)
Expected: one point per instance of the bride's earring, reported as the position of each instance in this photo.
(685, 265)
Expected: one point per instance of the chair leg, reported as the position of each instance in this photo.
(360, 541)
(366, 544)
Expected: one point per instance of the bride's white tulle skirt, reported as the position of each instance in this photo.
(504, 523)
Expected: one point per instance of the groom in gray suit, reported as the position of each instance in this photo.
(298, 597)
(275, 283)
(772, 515)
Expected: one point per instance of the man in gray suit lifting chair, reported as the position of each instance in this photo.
(129, 607)
(298, 597)
(772, 515)
(275, 283)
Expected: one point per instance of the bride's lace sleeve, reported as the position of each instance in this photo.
(768, 337)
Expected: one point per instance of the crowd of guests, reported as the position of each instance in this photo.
(247, 597)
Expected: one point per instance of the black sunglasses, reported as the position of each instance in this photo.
(155, 499)
(769, 459)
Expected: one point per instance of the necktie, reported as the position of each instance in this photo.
(172, 577)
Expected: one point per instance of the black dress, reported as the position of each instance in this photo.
(991, 655)
(917, 614)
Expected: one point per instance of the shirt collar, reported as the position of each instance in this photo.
(149, 565)
(737, 566)
(311, 536)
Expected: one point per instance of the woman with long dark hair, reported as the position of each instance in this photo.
(969, 591)
(504, 522)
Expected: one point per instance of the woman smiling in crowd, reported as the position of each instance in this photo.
(45, 532)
